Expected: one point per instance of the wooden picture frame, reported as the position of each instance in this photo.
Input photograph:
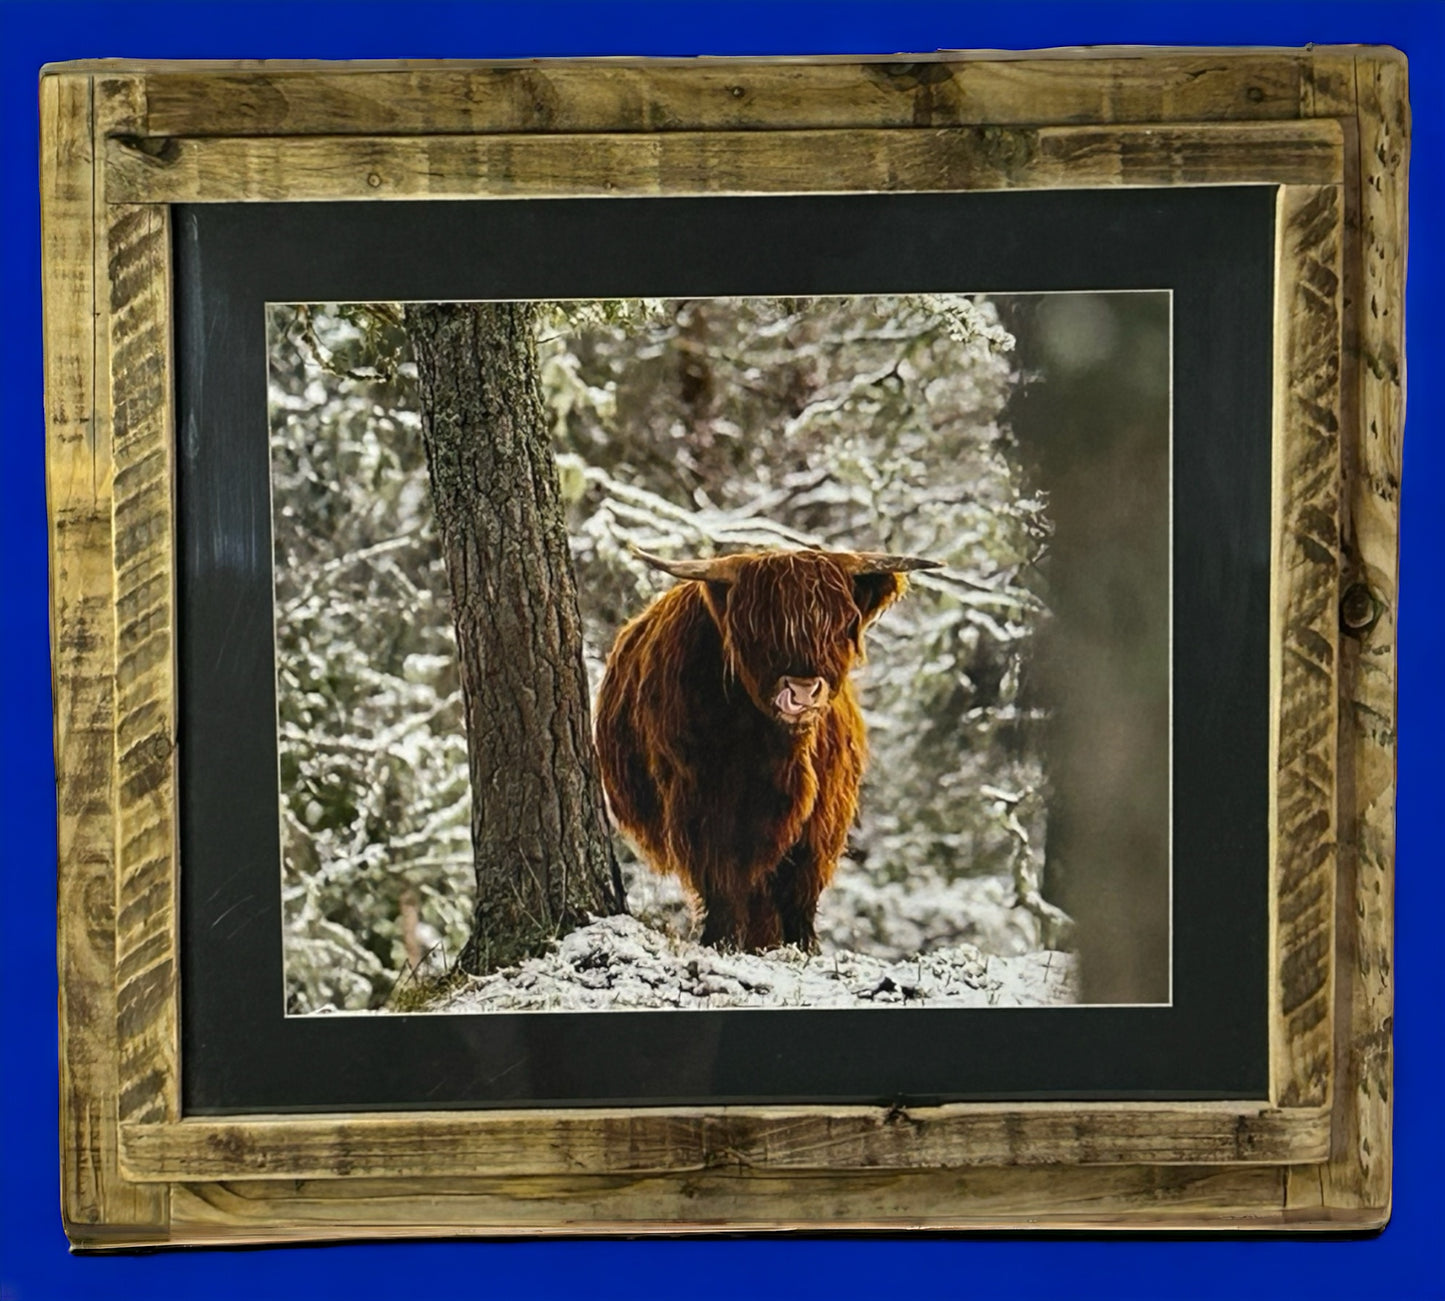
(122, 141)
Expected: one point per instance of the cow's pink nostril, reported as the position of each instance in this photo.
(804, 691)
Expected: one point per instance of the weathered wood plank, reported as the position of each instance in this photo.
(736, 1200)
(1305, 641)
(1359, 1173)
(138, 247)
(967, 158)
(120, 103)
(78, 486)
(951, 89)
(576, 1141)
(1327, 82)
(734, 1168)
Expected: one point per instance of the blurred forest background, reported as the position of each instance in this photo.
(688, 427)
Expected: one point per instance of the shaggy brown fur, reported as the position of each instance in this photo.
(729, 733)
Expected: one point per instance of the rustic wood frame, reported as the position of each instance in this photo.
(122, 141)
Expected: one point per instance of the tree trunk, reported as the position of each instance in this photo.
(539, 827)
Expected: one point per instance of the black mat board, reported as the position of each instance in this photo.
(1213, 247)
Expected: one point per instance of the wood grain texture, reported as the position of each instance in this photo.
(1327, 82)
(576, 1141)
(988, 120)
(1305, 640)
(179, 170)
(1356, 1179)
(1359, 1173)
(951, 89)
(119, 102)
(95, 1200)
(138, 245)
(739, 1200)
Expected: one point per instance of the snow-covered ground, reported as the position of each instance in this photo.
(619, 963)
(924, 942)
(887, 919)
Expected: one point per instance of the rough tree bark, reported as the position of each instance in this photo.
(539, 828)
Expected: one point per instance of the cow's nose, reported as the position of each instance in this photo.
(807, 690)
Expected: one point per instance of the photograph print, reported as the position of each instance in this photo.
(713, 653)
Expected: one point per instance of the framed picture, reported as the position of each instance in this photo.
(712, 645)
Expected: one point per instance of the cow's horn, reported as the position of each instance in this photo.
(719, 569)
(875, 562)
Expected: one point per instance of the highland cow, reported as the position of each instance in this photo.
(729, 733)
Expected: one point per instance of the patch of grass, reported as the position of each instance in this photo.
(413, 993)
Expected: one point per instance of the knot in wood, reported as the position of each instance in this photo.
(910, 76)
(160, 149)
(1359, 611)
(1007, 150)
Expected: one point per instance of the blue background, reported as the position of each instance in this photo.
(1406, 1261)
